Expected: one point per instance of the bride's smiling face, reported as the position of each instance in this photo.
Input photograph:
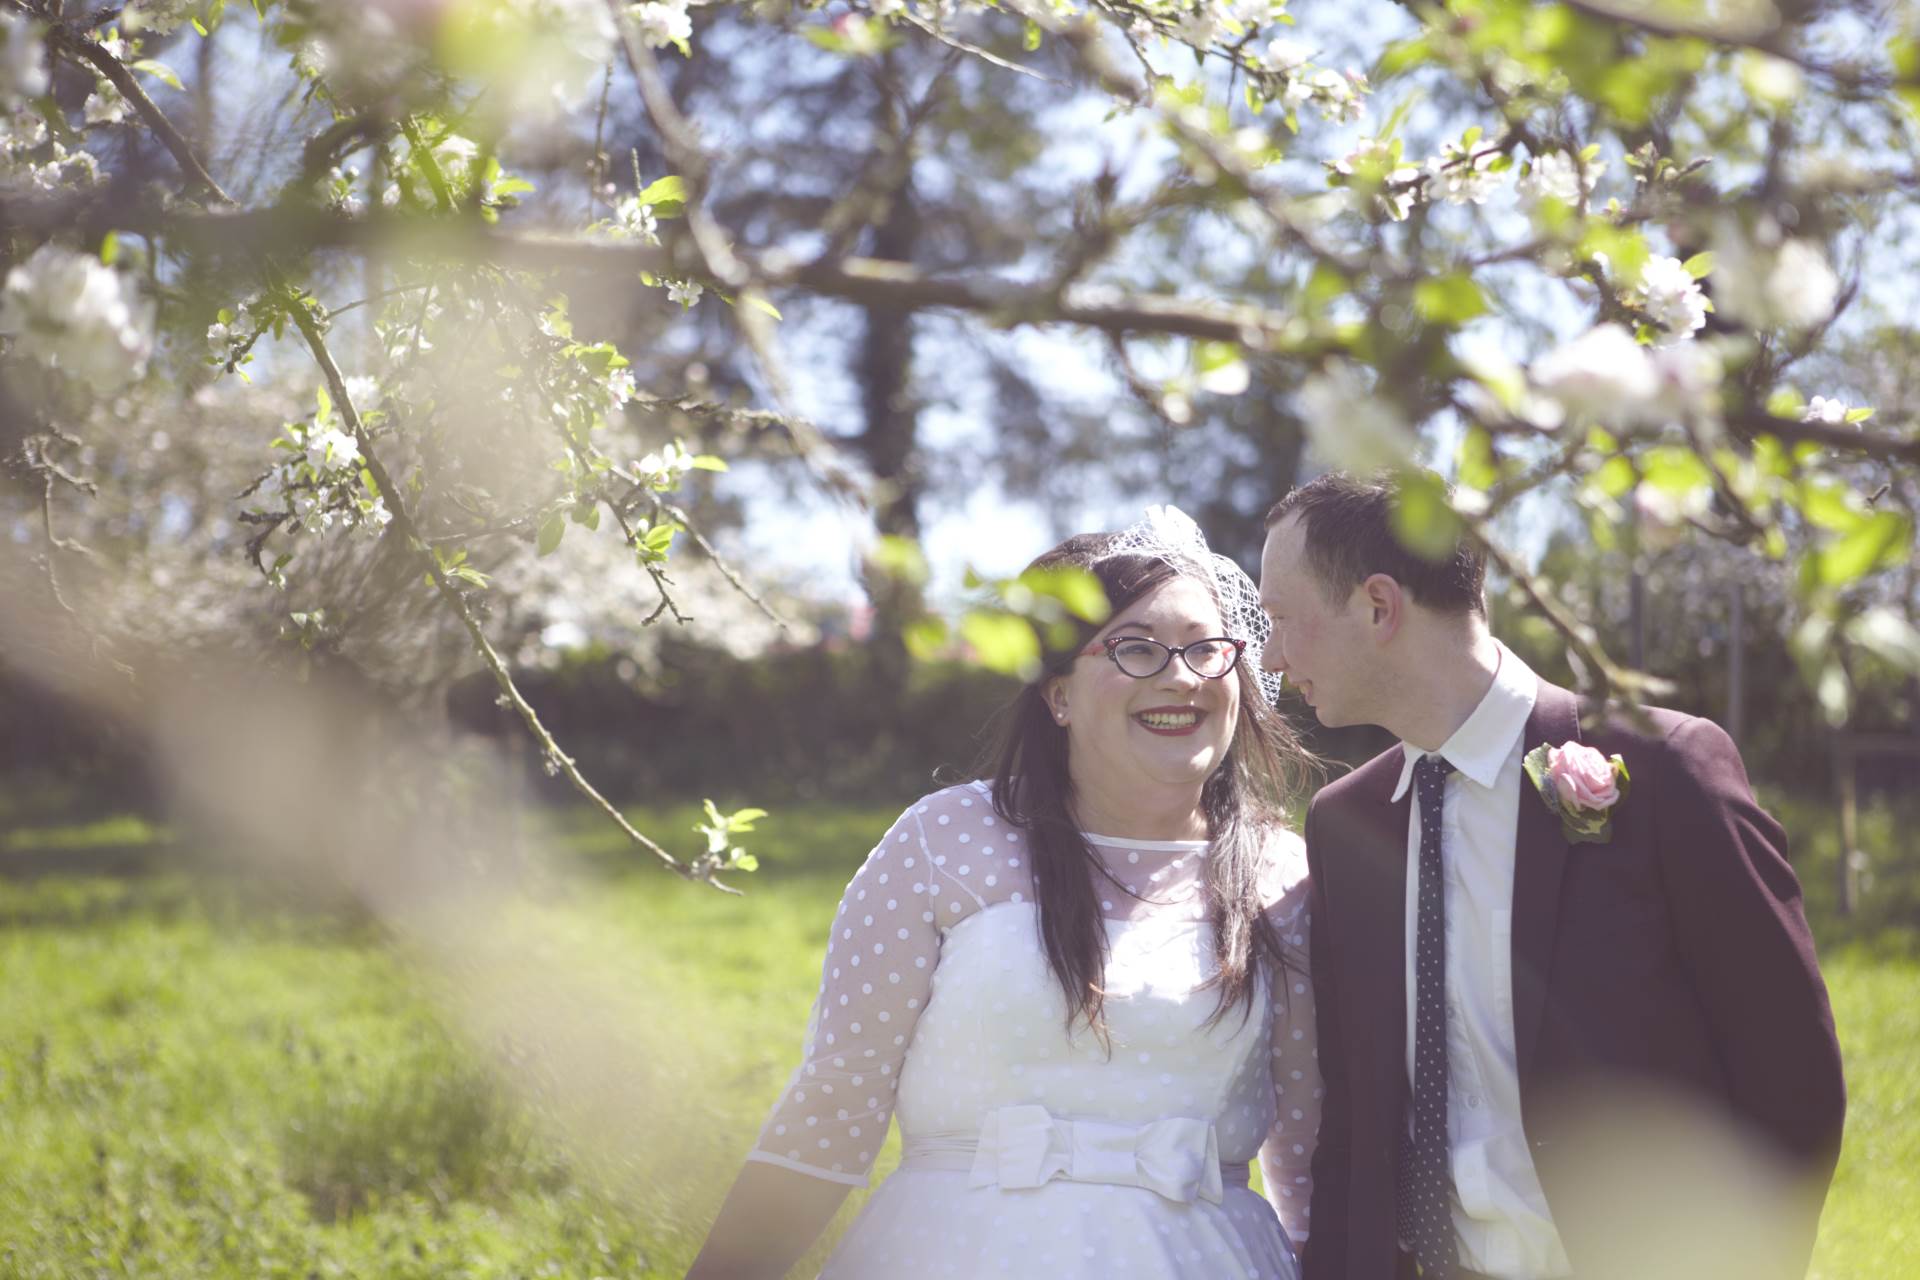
(1171, 728)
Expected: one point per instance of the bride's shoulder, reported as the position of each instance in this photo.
(1283, 867)
(945, 815)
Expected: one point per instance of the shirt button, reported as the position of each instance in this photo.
(1473, 1102)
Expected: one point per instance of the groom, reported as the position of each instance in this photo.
(1568, 1027)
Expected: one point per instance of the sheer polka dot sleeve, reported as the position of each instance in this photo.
(885, 943)
(1286, 1157)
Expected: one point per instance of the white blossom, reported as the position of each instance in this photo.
(1373, 160)
(1459, 176)
(329, 448)
(662, 22)
(663, 469)
(1827, 410)
(636, 220)
(1560, 176)
(69, 311)
(1603, 374)
(374, 515)
(363, 390)
(158, 16)
(1349, 425)
(684, 292)
(1283, 53)
(1671, 297)
(1687, 378)
(1767, 281)
(1197, 26)
(105, 105)
(1802, 287)
(621, 386)
(1340, 98)
(23, 58)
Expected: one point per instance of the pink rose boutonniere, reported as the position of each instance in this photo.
(1581, 786)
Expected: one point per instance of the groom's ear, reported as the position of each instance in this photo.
(1385, 603)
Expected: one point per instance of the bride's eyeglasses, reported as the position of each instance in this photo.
(1142, 658)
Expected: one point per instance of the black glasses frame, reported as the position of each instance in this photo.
(1168, 653)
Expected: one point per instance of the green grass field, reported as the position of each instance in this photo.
(199, 1079)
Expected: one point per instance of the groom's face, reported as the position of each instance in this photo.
(1322, 647)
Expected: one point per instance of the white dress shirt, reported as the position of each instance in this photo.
(1500, 1213)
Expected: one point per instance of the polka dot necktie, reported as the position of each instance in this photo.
(1423, 1191)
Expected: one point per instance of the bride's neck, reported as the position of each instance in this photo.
(1170, 814)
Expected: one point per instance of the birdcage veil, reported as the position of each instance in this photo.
(1169, 534)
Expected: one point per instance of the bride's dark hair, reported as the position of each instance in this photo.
(1243, 802)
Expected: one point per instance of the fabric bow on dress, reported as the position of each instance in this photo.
(1025, 1146)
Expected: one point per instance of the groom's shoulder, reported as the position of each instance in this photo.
(1652, 732)
(1370, 781)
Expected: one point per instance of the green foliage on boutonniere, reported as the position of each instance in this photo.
(1580, 824)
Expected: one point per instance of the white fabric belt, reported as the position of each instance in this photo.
(1026, 1146)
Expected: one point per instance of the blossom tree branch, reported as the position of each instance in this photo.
(405, 526)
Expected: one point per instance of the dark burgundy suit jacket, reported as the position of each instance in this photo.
(1664, 983)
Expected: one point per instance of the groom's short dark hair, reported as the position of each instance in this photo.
(1347, 522)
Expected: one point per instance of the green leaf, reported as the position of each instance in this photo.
(743, 819)
(1423, 520)
(1031, 38)
(1883, 539)
(901, 558)
(744, 861)
(1700, 265)
(109, 248)
(1077, 589)
(925, 638)
(1675, 470)
(1625, 251)
(1859, 415)
(1449, 300)
(707, 462)
(1478, 467)
(552, 529)
(325, 410)
(670, 189)
(1786, 402)
(158, 70)
(758, 302)
(1002, 642)
(1401, 56)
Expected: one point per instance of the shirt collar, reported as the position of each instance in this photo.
(1485, 739)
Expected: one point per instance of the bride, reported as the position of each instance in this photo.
(1080, 985)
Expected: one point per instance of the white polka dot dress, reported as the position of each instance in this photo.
(1026, 1152)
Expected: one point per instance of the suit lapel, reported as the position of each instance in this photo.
(1373, 867)
(1540, 856)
